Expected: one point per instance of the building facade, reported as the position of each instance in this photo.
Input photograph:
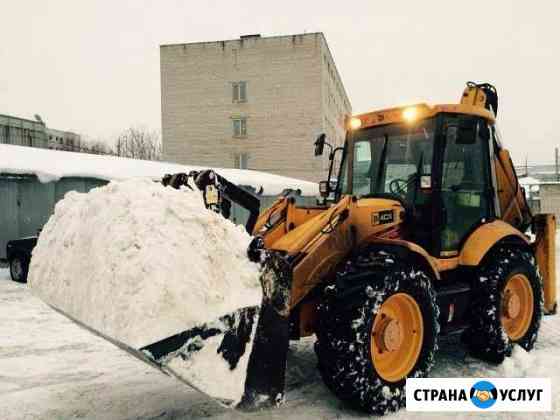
(34, 133)
(252, 103)
(63, 140)
(22, 132)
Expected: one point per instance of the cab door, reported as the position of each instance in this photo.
(465, 183)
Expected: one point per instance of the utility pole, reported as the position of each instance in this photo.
(556, 163)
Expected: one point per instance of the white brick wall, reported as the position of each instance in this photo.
(550, 199)
(293, 90)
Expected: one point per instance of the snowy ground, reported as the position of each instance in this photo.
(52, 369)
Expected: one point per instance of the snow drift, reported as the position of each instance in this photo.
(141, 262)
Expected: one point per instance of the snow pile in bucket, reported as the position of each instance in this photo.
(140, 262)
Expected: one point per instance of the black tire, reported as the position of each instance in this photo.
(345, 323)
(18, 269)
(487, 339)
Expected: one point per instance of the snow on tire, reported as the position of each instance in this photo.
(348, 345)
(489, 338)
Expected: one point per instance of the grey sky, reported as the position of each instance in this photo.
(93, 66)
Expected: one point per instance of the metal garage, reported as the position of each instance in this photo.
(26, 204)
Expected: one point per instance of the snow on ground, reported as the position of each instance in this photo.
(51, 165)
(50, 368)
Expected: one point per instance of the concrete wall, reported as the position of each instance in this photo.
(550, 199)
(294, 93)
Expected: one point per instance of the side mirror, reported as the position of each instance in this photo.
(320, 144)
(324, 189)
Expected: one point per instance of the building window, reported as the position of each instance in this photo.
(240, 127)
(241, 161)
(240, 92)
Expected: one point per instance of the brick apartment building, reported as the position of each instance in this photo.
(254, 102)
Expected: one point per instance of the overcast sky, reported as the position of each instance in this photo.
(93, 66)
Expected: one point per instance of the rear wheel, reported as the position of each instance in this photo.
(368, 344)
(18, 269)
(508, 305)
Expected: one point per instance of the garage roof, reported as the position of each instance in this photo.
(51, 165)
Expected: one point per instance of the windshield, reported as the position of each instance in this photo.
(393, 159)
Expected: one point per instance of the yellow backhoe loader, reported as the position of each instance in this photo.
(425, 232)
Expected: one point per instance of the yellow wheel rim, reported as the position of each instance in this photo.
(517, 306)
(397, 335)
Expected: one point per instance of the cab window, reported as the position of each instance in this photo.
(465, 182)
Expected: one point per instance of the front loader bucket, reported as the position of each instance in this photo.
(239, 359)
(251, 344)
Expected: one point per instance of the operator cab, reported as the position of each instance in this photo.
(436, 167)
(436, 161)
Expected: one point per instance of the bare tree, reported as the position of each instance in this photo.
(93, 146)
(99, 147)
(139, 143)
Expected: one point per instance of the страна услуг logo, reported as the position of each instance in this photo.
(483, 394)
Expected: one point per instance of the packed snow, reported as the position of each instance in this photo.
(140, 262)
(211, 374)
(51, 165)
(51, 368)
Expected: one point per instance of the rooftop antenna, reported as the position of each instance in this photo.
(39, 119)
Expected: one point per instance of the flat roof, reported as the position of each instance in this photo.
(247, 37)
(241, 38)
(21, 119)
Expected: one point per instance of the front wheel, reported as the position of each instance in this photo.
(18, 269)
(368, 344)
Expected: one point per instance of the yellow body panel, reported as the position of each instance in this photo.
(297, 239)
(545, 245)
(417, 249)
(283, 215)
(513, 206)
(484, 238)
(297, 216)
(321, 239)
(277, 209)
